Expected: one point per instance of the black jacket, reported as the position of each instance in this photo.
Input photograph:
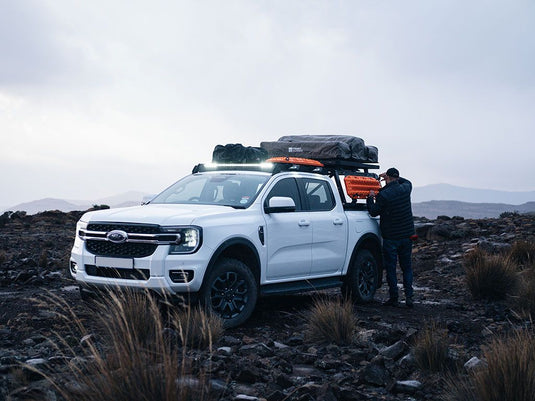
(393, 203)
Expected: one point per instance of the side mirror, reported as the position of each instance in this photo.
(280, 204)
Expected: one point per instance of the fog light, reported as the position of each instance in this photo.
(74, 267)
(181, 276)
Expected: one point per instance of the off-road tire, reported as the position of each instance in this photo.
(230, 292)
(361, 281)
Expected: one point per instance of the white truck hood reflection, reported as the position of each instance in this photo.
(162, 214)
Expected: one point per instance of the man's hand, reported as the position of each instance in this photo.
(372, 193)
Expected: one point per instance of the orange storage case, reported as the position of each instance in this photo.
(358, 187)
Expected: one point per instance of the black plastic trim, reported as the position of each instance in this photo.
(301, 286)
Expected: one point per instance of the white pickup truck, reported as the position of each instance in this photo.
(229, 234)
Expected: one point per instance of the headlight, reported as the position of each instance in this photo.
(189, 239)
(81, 226)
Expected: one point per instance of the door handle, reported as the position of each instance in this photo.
(338, 222)
(304, 223)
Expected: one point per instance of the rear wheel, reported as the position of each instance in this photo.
(362, 278)
(230, 291)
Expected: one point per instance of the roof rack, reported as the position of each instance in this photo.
(332, 167)
(348, 165)
(321, 166)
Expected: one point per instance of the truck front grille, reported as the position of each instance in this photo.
(125, 250)
(141, 240)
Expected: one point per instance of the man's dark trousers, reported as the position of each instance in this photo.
(394, 250)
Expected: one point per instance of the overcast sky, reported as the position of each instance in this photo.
(103, 97)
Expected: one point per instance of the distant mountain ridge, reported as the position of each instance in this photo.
(432, 209)
(125, 199)
(447, 192)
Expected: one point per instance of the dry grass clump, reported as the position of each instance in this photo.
(331, 321)
(525, 299)
(198, 328)
(522, 254)
(511, 369)
(509, 376)
(490, 277)
(132, 357)
(431, 347)
(474, 257)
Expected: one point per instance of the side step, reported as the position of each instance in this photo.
(301, 286)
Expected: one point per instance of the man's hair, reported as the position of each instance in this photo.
(392, 172)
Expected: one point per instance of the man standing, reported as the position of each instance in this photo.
(393, 204)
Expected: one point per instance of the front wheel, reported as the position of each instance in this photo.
(230, 291)
(362, 278)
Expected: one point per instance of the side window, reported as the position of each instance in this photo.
(318, 194)
(286, 187)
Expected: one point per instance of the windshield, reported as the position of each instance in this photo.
(227, 189)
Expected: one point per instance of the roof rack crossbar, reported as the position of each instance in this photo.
(341, 167)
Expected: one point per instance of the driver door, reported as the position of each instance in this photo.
(288, 236)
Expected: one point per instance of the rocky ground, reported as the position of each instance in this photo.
(270, 357)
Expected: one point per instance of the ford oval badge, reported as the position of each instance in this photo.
(117, 236)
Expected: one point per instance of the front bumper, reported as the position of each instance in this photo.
(155, 272)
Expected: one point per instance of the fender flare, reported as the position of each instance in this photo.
(375, 248)
(228, 244)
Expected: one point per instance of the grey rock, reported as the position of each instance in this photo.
(407, 361)
(28, 342)
(251, 375)
(296, 339)
(244, 397)
(375, 374)
(408, 386)
(474, 363)
(36, 362)
(279, 345)
(284, 381)
(225, 351)
(394, 351)
(260, 349)
(366, 336)
(327, 363)
(229, 340)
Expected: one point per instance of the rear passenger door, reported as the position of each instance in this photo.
(329, 226)
(288, 235)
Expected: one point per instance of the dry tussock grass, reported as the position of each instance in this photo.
(331, 321)
(522, 254)
(496, 277)
(524, 301)
(198, 328)
(490, 277)
(431, 347)
(509, 376)
(132, 357)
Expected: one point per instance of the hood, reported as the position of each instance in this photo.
(157, 214)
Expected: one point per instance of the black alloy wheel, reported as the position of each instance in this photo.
(230, 292)
(362, 279)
